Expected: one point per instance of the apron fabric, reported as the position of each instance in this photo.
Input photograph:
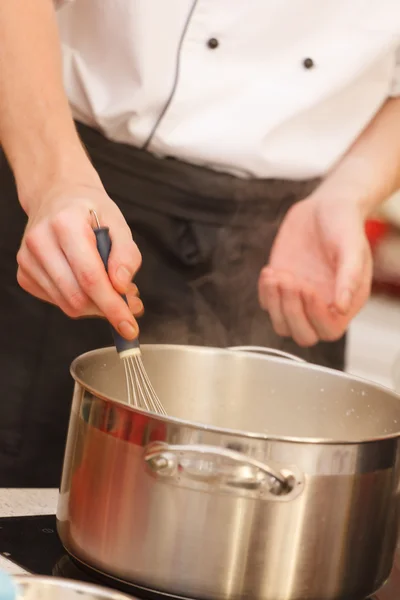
(204, 237)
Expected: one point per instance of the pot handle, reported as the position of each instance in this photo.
(268, 351)
(174, 461)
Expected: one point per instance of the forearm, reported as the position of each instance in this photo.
(370, 171)
(37, 131)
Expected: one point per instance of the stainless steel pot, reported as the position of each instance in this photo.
(271, 479)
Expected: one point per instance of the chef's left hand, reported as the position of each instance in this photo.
(320, 271)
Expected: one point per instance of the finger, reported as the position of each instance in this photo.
(136, 306)
(301, 330)
(270, 301)
(44, 247)
(133, 290)
(31, 286)
(79, 247)
(59, 270)
(135, 303)
(125, 258)
(33, 278)
(326, 321)
(349, 271)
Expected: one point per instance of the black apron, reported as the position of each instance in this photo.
(204, 237)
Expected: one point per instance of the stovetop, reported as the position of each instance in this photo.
(32, 543)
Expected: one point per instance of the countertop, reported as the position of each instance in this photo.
(22, 502)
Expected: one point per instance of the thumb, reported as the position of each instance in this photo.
(125, 258)
(349, 272)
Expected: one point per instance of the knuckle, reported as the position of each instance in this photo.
(22, 280)
(138, 258)
(60, 222)
(131, 258)
(70, 312)
(78, 301)
(33, 240)
(289, 290)
(22, 259)
(89, 278)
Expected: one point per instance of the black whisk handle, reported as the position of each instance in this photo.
(103, 242)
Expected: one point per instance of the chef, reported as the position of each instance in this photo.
(234, 149)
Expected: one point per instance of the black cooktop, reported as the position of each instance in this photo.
(33, 544)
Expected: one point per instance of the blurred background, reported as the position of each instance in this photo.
(374, 338)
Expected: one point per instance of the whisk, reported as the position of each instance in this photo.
(141, 393)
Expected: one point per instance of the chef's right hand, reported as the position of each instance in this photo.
(58, 260)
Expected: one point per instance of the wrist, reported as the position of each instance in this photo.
(353, 184)
(52, 171)
(365, 177)
(344, 195)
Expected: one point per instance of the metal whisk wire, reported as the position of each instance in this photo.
(140, 392)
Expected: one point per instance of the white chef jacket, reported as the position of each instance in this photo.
(258, 88)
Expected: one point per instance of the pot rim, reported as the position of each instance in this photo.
(240, 432)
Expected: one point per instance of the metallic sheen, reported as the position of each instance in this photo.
(269, 479)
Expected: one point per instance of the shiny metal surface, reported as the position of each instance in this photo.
(140, 392)
(267, 351)
(51, 588)
(167, 503)
(176, 462)
(396, 374)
